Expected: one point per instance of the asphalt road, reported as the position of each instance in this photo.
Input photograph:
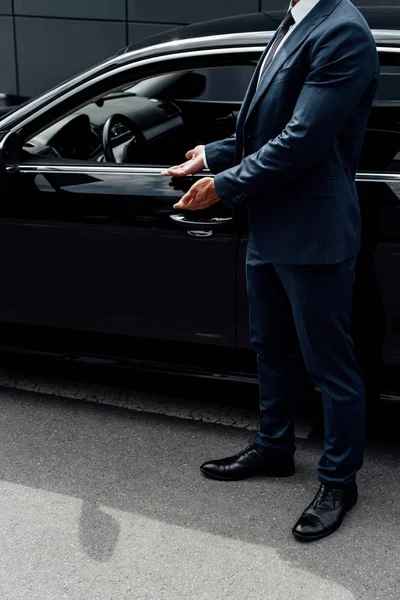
(99, 502)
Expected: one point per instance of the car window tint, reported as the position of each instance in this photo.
(381, 149)
(208, 101)
(168, 114)
(226, 84)
(389, 85)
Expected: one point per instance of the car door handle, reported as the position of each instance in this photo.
(183, 184)
(212, 223)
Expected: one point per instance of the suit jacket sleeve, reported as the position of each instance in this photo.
(343, 64)
(221, 155)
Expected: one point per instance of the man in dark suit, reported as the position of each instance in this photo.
(293, 160)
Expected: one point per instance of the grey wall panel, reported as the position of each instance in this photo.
(138, 31)
(182, 11)
(50, 50)
(8, 82)
(80, 9)
(5, 7)
(376, 2)
(275, 5)
(283, 4)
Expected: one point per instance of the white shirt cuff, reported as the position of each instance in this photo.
(205, 159)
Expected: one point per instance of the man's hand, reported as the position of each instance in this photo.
(194, 164)
(200, 196)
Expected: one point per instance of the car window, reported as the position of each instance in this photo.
(381, 150)
(154, 122)
(226, 84)
(389, 85)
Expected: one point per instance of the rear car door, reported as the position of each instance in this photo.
(376, 314)
(379, 192)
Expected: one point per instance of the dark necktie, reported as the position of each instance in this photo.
(284, 27)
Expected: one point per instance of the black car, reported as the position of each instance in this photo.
(97, 266)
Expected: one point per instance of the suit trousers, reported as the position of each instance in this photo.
(301, 314)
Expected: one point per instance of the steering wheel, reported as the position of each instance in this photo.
(137, 147)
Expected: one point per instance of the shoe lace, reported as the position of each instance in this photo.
(245, 450)
(249, 447)
(322, 494)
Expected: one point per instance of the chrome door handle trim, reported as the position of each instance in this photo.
(214, 221)
(200, 234)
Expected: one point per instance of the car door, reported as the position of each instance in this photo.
(376, 309)
(89, 246)
(100, 248)
(379, 191)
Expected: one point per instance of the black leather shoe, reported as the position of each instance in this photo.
(325, 513)
(248, 463)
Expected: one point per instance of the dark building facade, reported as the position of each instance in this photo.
(45, 41)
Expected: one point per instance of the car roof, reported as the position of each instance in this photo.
(378, 17)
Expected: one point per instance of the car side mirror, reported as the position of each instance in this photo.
(189, 86)
(9, 152)
(192, 86)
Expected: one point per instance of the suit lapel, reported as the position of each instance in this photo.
(319, 13)
(251, 90)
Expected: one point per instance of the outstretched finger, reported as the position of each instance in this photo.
(186, 200)
(177, 170)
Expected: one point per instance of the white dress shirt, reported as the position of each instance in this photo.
(299, 12)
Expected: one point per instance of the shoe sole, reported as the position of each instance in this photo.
(261, 474)
(320, 536)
